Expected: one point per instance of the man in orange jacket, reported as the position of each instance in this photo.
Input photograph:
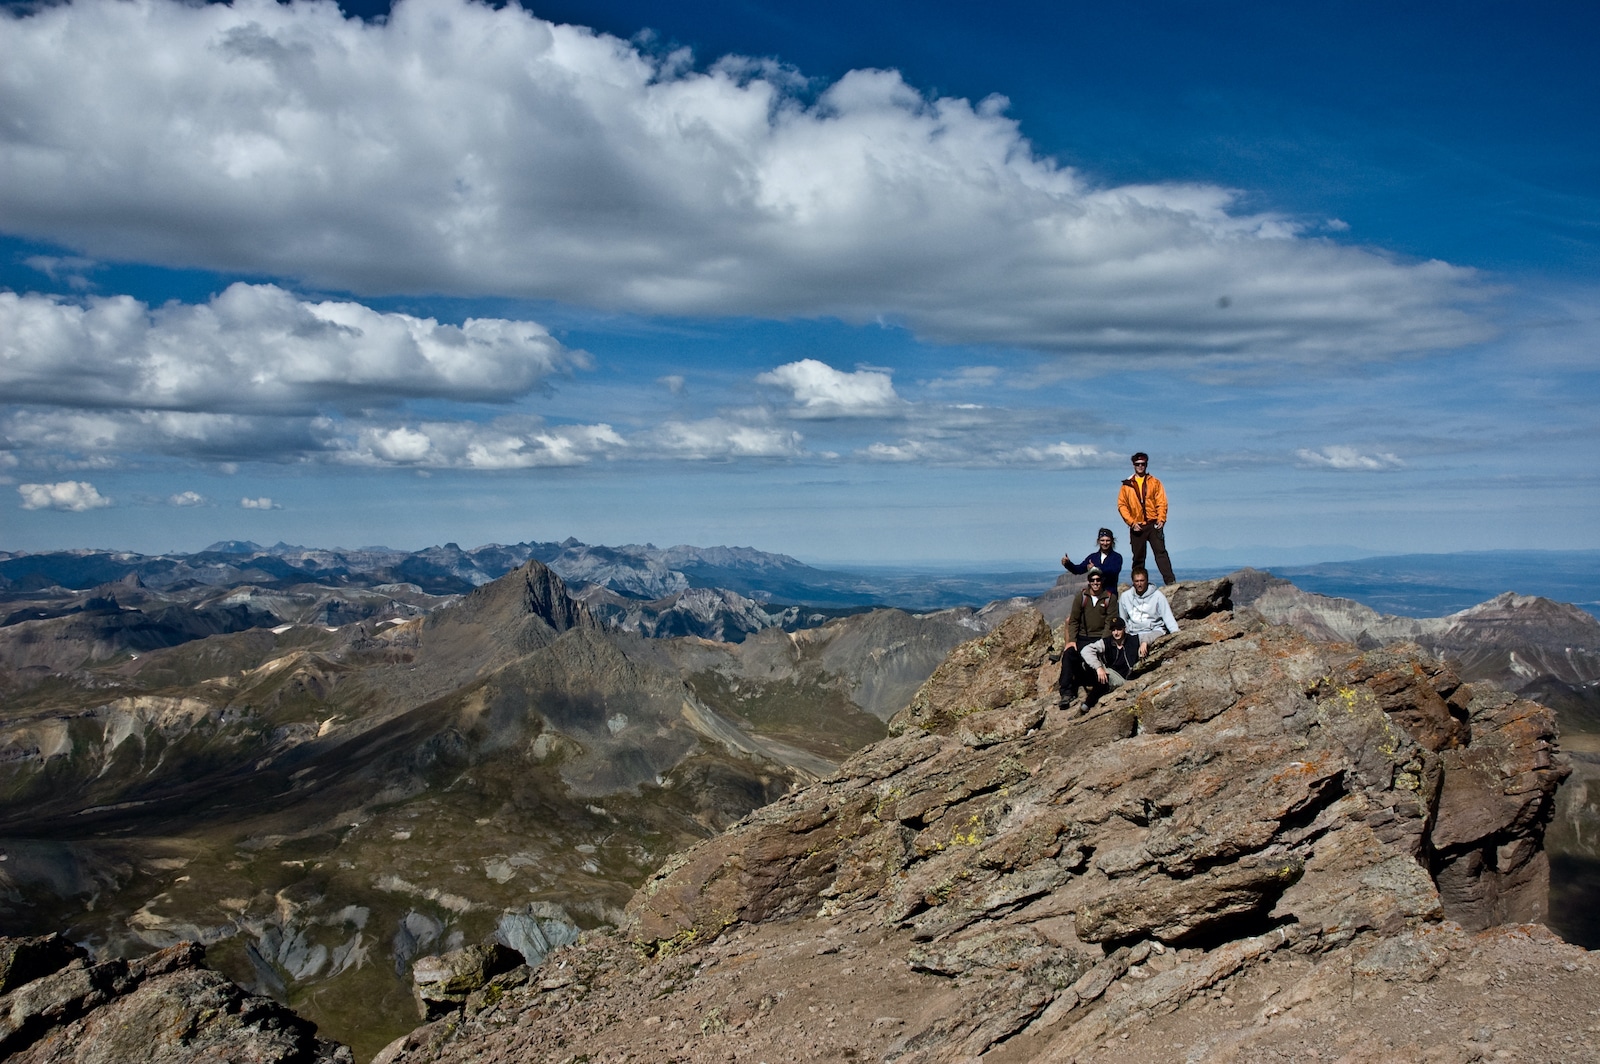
(1143, 504)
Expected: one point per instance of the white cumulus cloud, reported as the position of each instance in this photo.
(262, 503)
(74, 495)
(822, 391)
(1348, 458)
(258, 347)
(186, 498)
(461, 148)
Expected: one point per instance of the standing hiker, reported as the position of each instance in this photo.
(1142, 502)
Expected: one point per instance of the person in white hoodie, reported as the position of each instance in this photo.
(1146, 610)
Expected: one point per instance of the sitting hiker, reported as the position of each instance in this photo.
(1113, 660)
(1092, 613)
(1146, 610)
(1105, 558)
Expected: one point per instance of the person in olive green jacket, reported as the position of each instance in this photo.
(1092, 612)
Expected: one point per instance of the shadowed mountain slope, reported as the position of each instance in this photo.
(320, 807)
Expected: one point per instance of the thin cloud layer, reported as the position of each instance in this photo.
(995, 450)
(720, 438)
(256, 348)
(459, 148)
(1348, 458)
(99, 438)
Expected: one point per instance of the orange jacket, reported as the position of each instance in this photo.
(1150, 509)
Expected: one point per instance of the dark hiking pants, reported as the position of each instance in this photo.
(1074, 673)
(1157, 540)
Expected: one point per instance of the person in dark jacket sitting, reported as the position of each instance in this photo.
(1113, 660)
(1092, 613)
(1105, 558)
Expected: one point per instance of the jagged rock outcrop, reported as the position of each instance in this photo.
(445, 981)
(526, 607)
(1542, 650)
(58, 1006)
(1003, 877)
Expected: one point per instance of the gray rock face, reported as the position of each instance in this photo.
(167, 1007)
(535, 930)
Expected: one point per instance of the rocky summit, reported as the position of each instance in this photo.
(1261, 848)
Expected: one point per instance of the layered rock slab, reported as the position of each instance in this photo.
(167, 1008)
(1011, 871)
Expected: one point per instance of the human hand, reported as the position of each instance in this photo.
(1102, 674)
(1066, 561)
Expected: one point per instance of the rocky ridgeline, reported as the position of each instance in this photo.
(1261, 848)
(1255, 816)
(56, 1005)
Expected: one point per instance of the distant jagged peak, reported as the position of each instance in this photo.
(1511, 619)
(235, 546)
(530, 591)
(1510, 603)
(129, 582)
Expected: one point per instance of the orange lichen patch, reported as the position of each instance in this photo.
(1308, 769)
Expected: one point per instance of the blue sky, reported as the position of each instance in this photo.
(883, 283)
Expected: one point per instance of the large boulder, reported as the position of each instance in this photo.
(444, 982)
(168, 1007)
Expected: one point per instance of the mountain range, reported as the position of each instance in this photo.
(633, 572)
(323, 781)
